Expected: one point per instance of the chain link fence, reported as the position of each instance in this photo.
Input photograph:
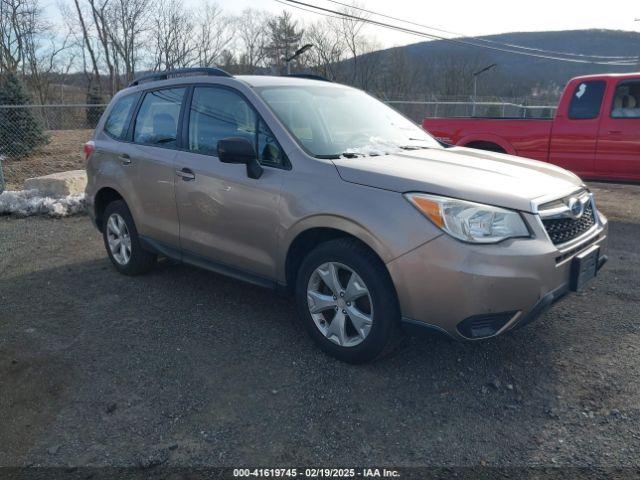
(418, 110)
(41, 139)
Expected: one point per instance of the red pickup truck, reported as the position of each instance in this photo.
(595, 132)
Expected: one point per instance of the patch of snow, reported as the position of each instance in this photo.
(24, 203)
(375, 146)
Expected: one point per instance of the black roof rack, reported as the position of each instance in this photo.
(309, 76)
(181, 72)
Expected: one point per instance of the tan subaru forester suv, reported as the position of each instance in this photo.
(318, 189)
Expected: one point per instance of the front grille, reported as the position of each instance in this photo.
(562, 230)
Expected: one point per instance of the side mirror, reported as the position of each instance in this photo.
(240, 150)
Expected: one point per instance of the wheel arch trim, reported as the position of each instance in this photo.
(487, 138)
(335, 223)
(93, 204)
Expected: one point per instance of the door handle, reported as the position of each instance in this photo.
(186, 174)
(125, 159)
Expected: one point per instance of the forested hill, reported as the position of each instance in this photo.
(439, 59)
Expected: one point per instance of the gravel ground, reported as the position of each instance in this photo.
(183, 367)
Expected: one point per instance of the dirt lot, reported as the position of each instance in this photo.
(64, 152)
(183, 367)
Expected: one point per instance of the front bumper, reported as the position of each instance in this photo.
(471, 291)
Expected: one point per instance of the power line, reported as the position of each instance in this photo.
(485, 40)
(324, 11)
(284, 2)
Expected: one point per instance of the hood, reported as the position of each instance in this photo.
(464, 173)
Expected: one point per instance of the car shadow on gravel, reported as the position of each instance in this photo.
(126, 368)
(185, 367)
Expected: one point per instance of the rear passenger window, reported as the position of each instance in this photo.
(157, 120)
(586, 100)
(118, 119)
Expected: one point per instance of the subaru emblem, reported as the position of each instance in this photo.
(576, 207)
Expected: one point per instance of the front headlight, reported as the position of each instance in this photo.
(469, 221)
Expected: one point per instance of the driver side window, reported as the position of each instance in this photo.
(218, 113)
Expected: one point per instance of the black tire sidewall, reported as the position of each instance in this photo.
(383, 297)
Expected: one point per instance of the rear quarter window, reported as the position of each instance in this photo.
(119, 116)
(586, 100)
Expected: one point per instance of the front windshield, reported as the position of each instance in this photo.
(332, 121)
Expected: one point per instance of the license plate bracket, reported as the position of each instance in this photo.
(584, 267)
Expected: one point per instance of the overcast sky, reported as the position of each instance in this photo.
(470, 17)
(478, 17)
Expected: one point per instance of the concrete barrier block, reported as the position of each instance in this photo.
(59, 184)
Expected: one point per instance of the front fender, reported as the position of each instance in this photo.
(334, 222)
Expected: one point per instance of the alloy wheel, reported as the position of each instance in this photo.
(340, 304)
(119, 239)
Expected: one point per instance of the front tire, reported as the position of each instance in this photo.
(347, 301)
(122, 241)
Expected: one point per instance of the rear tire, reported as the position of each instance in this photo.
(122, 241)
(343, 281)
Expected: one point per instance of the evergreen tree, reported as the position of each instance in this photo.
(94, 113)
(284, 38)
(20, 132)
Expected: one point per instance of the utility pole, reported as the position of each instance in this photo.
(475, 85)
(297, 53)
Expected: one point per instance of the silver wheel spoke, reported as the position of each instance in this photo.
(113, 226)
(338, 328)
(320, 303)
(355, 288)
(329, 274)
(360, 320)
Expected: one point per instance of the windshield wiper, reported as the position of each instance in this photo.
(413, 147)
(335, 156)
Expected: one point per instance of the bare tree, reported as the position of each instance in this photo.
(400, 78)
(172, 36)
(251, 28)
(213, 34)
(28, 45)
(128, 21)
(352, 27)
(45, 60)
(87, 43)
(369, 60)
(329, 47)
(101, 26)
(455, 75)
(19, 23)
